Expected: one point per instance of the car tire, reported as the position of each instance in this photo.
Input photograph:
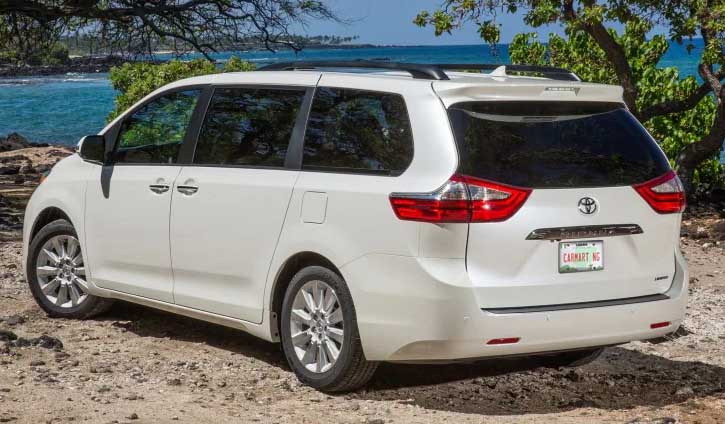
(573, 359)
(307, 352)
(73, 302)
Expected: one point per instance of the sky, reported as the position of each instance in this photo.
(391, 22)
(385, 22)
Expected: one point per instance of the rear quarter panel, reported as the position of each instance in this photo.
(358, 219)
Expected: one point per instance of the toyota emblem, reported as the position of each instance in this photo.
(587, 205)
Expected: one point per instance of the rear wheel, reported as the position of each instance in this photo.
(57, 275)
(319, 332)
(572, 359)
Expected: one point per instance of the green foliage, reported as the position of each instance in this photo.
(580, 53)
(134, 81)
(53, 56)
(57, 55)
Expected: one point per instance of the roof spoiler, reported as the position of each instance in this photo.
(426, 71)
(550, 72)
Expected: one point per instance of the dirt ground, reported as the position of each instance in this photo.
(138, 365)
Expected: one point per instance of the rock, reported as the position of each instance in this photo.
(133, 416)
(37, 363)
(685, 391)
(104, 389)
(173, 382)
(578, 403)
(15, 159)
(9, 169)
(61, 356)
(701, 233)
(132, 396)
(7, 335)
(13, 141)
(573, 375)
(43, 341)
(101, 369)
(14, 320)
(27, 169)
(665, 420)
(375, 421)
(58, 153)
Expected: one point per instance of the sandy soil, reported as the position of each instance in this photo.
(139, 365)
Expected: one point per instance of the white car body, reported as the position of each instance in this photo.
(422, 291)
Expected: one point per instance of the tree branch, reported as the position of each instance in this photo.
(202, 25)
(676, 105)
(614, 52)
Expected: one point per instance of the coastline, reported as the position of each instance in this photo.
(98, 64)
(84, 65)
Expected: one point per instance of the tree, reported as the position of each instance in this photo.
(197, 24)
(629, 60)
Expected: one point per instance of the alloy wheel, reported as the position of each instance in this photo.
(61, 273)
(317, 327)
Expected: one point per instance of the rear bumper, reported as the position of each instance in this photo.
(414, 309)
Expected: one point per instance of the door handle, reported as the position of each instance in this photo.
(159, 188)
(187, 189)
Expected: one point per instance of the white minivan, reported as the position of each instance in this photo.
(369, 211)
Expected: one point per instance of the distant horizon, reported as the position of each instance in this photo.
(482, 43)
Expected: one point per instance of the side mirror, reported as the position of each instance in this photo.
(93, 149)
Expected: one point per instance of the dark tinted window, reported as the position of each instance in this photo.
(248, 126)
(358, 130)
(154, 133)
(549, 145)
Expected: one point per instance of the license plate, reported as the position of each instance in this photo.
(581, 256)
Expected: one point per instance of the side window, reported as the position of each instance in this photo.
(154, 133)
(358, 131)
(248, 126)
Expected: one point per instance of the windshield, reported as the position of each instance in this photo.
(554, 144)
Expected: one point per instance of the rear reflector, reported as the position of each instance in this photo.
(664, 194)
(660, 324)
(506, 340)
(461, 199)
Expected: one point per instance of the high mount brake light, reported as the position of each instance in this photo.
(664, 194)
(461, 199)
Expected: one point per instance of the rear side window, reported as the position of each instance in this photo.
(248, 126)
(154, 133)
(554, 145)
(358, 131)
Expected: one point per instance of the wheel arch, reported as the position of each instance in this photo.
(45, 217)
(291, 266)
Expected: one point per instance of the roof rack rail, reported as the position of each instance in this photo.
(425, 71)
(416, 70)
(550, 72)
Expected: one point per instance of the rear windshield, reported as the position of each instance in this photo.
(554, 145)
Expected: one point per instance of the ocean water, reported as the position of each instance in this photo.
(63, 108)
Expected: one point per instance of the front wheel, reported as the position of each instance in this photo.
(57, 274)
(319, 332)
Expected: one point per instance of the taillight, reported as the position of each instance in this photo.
(461, 199)
(664, 194)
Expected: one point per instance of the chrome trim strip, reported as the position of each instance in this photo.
(580, 305)
(584, 231)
